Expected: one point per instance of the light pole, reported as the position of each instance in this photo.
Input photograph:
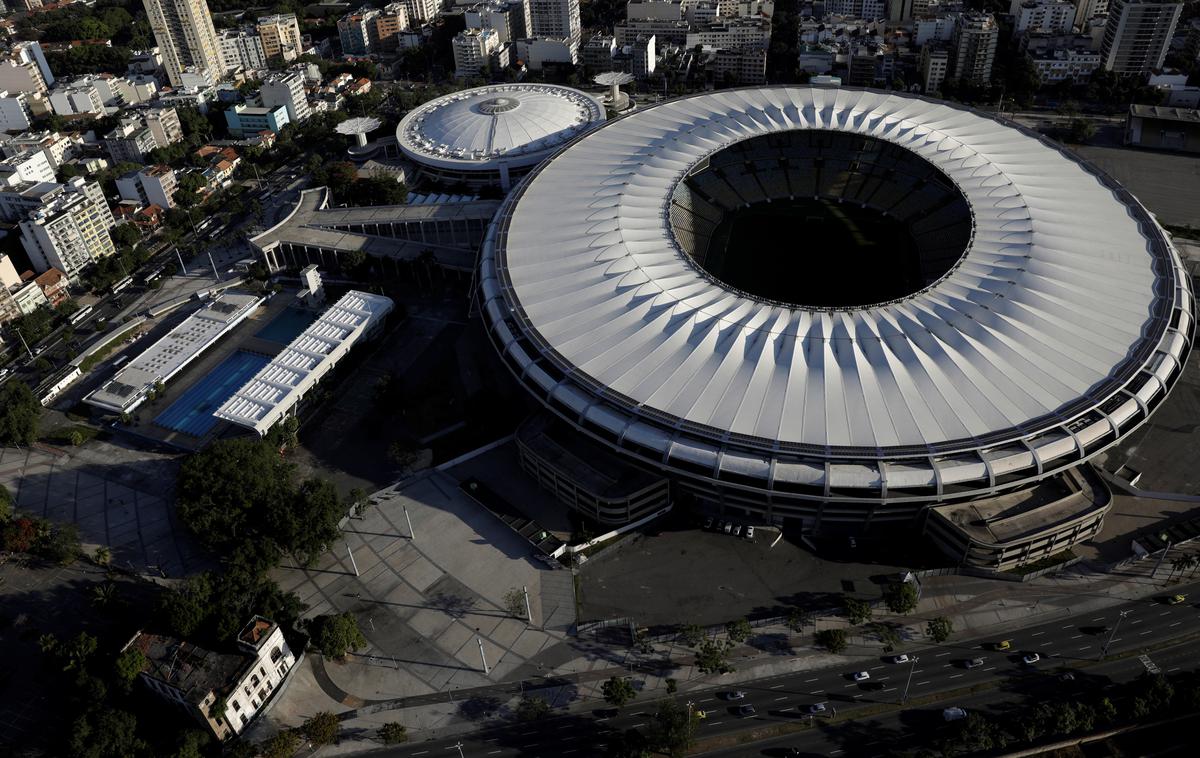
(528, 610)
(411, 534)
(459, 746)
(1162, 557)
(483, 658)
(911, 669)
(1113, 633)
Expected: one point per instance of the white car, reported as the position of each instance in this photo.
(749, 533)
(902, 658)
(816, 708)
(862, 676)
(1031, 658)
(954, 714)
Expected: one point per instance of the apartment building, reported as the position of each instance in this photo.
(242, 49)
(280, 35)
(1138, 34)
(286, 89)
(70, 230)
(186, 38)
(154, 185)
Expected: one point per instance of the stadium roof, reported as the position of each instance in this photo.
(514, 123)
(275, 389)
(1068, 298)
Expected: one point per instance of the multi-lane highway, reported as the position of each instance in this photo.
(938, 671)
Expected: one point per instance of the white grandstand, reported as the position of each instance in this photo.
(493, 135)
(275, 390)
(1039, 315)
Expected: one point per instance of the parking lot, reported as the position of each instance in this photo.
(683, 574)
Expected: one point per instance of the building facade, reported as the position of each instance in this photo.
(473, 49)
(1138, 34)
(71, 231)
(557, 19)
(154, 185)
(242, 49)
(248, 120)
(286, 89)
(976, 36)
(1051, 16)
(280, 35)
(186, 39)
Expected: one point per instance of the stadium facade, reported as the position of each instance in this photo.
(1030, 314)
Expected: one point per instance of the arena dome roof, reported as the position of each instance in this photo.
(1061, 324)
(517, 124)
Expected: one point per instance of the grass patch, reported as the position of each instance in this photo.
(76, 434)
(95, 358)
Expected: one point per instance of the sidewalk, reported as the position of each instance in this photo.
(975, 606)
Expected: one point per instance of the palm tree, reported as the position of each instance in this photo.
(102, 556)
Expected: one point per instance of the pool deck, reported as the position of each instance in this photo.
(240, 338)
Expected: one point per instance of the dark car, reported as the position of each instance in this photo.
(745, 711)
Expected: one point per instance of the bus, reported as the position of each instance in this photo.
(122, 284)
(79, 315)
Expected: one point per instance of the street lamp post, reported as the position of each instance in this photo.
(1162, 557)
(459, 746)
(911, 669)
(1112, 634)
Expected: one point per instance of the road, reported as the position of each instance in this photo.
(1067, 643)
(277, 193)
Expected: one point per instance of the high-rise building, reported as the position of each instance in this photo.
(24, 69)
(242, 48)
(186, 37)
(286, 89)
(976, 36)
(14, 112)
(357, 31)
(1138, 34)
(935, 63)
(153, 185)
(69, 229)
(420, 11)
(1088, 9)
(389, 24)
(473, 49)
(557, 19)
(280, 37)
(1051, 16)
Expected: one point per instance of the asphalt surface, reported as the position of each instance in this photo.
(1067, 643)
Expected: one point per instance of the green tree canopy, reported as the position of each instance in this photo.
(618, 691)
(320, 728)
(673, 729)
(336, 634)
(833, 640)
(901, 597)
(19, 414)
(939, 629)
(857, 611)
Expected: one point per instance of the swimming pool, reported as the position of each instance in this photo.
(287, 326)
(192, 412)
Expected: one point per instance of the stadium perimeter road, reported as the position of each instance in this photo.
(680, 574)
(1164, 182)
(1064, 644)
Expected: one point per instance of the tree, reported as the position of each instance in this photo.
(187, 606)
(939, 629)
(102, 556)
(392, 733)
(532, 708)
(888, 634)
(629, 744)
(1080, 131)
(283, 745)
(712, 657)
(336, 634)
(320, 728)
(901, 597)
(691, 635)
(738, 630)
(191, 744)
(59, 543)
(672, 686)
(6, 505)
(514, 603)
(618, 691)
(19, 414)
(833, 640)
(125, 235)
(128, 665)
(188, 189)
(857, 611)
(797, 619)
(102, 732)
(673, 729)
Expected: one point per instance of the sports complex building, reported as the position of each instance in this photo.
(844, 308)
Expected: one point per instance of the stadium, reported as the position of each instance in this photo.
(492, 136)
(847, 308)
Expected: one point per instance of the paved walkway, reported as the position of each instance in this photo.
(568, 673)
(114, 494)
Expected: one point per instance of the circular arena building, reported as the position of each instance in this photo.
(491, 136)
(840, 306)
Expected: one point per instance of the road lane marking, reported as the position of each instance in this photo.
(1164, 613)
(423, 752)
(875, 668)
(918, 684)
(939, 655)
(780, 698)
(716, 723)
(1177, 623)
(1098, 618)
(1137, 621)
(1172, 669)
(1037, 634)
(806, 681)
(848, 686)
(1145, 632)
(1068, 626)
(955, 676)
(1085, 647)
(990, 668)
(706, 700)
(1077, 636)
(495, 752)
(776, 686)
